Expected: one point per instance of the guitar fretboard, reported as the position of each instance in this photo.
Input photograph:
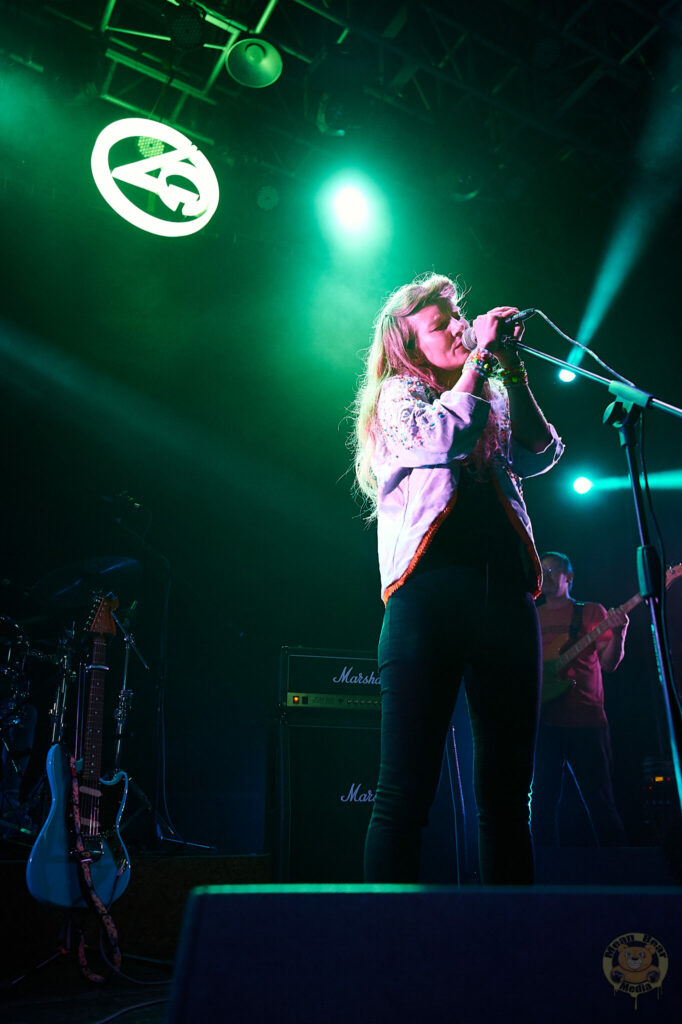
(89, 786)
(579, 646)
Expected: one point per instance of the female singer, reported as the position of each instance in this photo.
(446, 429)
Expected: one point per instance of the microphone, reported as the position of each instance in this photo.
(516, 318)
(469, 334)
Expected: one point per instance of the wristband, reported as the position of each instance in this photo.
(481, 362)
(517, 377)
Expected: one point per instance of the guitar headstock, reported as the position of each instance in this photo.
(101, 620)
(673, 573)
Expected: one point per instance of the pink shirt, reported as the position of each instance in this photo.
(583, 704)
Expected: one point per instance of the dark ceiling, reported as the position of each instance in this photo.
(529, 90)
(508, 133)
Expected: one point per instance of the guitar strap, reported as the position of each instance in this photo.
(576, 621)
(84, 859)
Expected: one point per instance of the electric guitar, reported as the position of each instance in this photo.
(556, 656)
(53, 874)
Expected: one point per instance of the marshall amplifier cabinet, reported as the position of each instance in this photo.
(323, 680)
(327, 765)
(327, 762)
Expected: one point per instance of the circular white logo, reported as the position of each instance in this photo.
(180, 158)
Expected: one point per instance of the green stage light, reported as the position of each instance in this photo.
(653, 189)
(582, 485)
(665, 480)
(351, 208)
(566, 376)
(629, 239)
(150, 147)
(352, 211)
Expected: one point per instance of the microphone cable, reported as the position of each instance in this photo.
(585, 348)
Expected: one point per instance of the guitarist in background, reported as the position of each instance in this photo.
(574, 731)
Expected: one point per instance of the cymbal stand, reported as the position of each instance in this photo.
(125, 696)
(66, 681)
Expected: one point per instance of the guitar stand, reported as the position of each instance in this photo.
(65, 948)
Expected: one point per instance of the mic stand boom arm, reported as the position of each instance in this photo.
(624, 414)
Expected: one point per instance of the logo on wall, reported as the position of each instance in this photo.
(169, 188)
(635, 964)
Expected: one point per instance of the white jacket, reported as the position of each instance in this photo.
(421, 441)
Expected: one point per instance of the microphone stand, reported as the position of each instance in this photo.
(624, 414)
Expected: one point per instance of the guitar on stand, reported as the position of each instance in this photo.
(80, 847)
(558, 655)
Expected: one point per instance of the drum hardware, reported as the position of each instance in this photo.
(73, 585)
(33, 808)
(69, 587)
(125, 696)
(67, 680)
(17, 728)
(12, 710)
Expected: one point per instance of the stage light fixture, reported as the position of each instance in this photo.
(566, 376)
(334, 97)
(148, 146)
(353, 213)
(582, 485)
(254, 63)
(267, 197)
(186, 27)
(351, 208)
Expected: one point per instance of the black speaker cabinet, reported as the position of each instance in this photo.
(373, 954)
(328, 770)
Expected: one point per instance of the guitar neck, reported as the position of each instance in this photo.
(579, 646)
(92, 740)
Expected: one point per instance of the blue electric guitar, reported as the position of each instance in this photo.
(53, 874)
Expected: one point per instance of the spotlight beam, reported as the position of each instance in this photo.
(653, 190)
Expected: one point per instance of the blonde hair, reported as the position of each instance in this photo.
(394, 352)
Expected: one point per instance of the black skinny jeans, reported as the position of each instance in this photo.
(441, 626)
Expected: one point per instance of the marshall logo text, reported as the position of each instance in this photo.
(356, 796)
(346, 677)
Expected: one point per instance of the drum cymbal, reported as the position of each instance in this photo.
(73, 585)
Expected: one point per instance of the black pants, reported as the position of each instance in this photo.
(441, 626)
(586, 753)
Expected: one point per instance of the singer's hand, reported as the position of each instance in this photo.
(490, 331)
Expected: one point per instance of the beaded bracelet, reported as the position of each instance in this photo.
(481, 362)
(516, 377)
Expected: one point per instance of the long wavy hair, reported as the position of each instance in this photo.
(394, 351)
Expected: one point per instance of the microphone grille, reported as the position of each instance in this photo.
(469, 338)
